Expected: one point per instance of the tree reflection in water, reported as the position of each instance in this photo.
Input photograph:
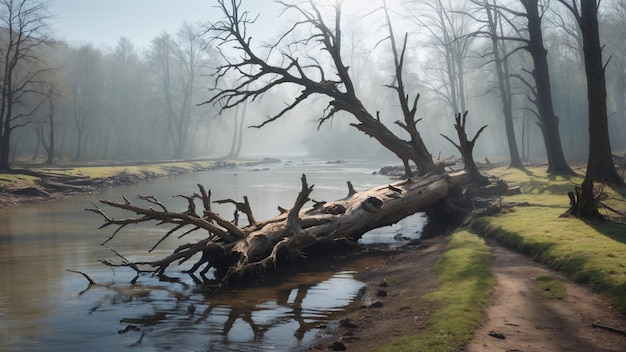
(284, 315)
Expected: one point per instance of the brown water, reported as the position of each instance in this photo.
(45, 308)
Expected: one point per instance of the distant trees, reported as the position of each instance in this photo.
(23, 26)
(126, 97)
(491, 20)
(176, 64)
(124, 103)
(447, 30)
(86, 91)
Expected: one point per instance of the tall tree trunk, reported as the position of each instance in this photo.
(50, 150)
(5, 147)
(582, 201)
(548, 120)
(504, 83)
(36, 152)
(79, 146)
(600, 161)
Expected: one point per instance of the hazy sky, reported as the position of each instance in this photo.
(103, 22)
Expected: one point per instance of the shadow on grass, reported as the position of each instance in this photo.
(550, 186)
(613, 230)
(576, 267)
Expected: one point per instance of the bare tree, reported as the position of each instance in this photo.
(541, 90)
(176, 64)
(600, 160)
(23, 26)
(447, 29)
(259, 75)
(493, 30)
(126, 88)
(85, 89)
(48, 141)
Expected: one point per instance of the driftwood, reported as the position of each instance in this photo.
(244, 252)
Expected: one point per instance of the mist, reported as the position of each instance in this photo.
(134, 101)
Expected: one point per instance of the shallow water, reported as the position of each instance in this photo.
(45, 308)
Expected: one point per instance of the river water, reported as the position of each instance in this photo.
(43, 307)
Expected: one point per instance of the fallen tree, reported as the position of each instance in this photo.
(239, 253)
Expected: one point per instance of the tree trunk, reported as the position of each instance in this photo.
(548, 120)
(600, 161)
(50, 150)
(582, 201)
(238, 253)
(5, 150)
(501, 63)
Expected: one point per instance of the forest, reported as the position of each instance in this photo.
(505, 119)
(67, 102)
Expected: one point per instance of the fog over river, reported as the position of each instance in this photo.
(45, 308)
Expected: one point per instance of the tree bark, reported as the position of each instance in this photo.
(238, 253)
(549, 122)
(501, 63)
(582, 201)
(600, 160)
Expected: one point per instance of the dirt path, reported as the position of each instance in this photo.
(530, 322)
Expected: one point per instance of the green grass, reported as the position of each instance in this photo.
(465, 283)
(550, 287)
(142, 170)
(590, 253)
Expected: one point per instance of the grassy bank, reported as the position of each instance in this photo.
(37, 182)
(464, 285)
(590, 253)
(138, 171)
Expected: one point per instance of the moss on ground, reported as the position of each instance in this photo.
(591, 253)
(465, 283)
(550, 287)
(588, 252)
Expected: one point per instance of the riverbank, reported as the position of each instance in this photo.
(582, 261)
(30, 183)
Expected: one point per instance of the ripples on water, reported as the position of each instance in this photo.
(45, 308)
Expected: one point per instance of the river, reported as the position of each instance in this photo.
(43, 307)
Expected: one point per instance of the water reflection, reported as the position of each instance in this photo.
(284, 313)
(43, 308)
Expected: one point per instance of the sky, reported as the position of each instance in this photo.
(103, 22)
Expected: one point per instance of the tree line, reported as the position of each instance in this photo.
(518, 66)
(79, 102)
